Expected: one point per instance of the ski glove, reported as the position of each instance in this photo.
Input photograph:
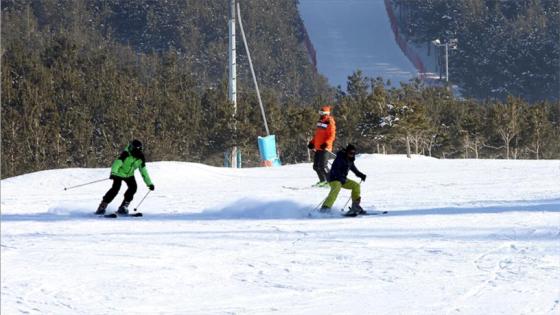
(151, 187)
(323, 146)
(310, 145)
(362, 177)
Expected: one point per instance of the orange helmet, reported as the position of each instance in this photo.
(325, 110)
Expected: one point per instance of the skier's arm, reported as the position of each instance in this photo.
(332, 132)
(355, 170)
(145, 175)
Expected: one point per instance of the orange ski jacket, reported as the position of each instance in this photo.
(325, 132)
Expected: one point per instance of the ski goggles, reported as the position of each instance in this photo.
(322, 113)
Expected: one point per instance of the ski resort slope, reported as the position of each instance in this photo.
(461, 237)
(354, 34)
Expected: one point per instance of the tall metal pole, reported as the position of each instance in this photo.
(446, 63)
(232, 86)
(450, 43)
(252, 70)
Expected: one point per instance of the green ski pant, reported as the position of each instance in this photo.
(335, 189)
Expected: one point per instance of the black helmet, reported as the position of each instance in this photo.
(136, 148)
(136, 145)
(351, 151)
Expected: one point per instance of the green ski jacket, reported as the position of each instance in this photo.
(126, 164)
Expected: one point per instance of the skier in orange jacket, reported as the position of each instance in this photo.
(322, 144)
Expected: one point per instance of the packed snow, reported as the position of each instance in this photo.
(461, 237)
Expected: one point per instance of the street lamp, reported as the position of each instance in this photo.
(451, 44)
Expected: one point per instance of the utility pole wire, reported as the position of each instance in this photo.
(252, 70)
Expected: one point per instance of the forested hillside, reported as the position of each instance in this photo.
(504, 47)
(81, 78)
(196, 32)
(430, 121)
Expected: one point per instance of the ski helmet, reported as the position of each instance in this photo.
(351, 149)
(136, 145)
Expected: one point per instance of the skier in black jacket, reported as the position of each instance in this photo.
(344, 162)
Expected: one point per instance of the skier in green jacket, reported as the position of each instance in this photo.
(123, 170)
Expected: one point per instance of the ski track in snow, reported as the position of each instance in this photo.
(461, 237)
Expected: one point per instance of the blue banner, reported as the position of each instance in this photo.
(267, 150)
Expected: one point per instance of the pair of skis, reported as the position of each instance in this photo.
(303, 187)
(115, 215)
(353, 214)
(345, 214)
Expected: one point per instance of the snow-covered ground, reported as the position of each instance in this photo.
(461, 237)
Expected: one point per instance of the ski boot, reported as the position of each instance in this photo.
(356, 206)
(101, 209)
(356, 209)
(123, 209)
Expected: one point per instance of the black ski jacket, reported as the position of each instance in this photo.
(340, 167)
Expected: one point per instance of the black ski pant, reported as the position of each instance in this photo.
(321, 164)
(129, 193)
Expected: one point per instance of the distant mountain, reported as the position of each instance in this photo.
(504, 47)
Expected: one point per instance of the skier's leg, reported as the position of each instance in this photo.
(356, 198)
(355, 187)
(132, 187)
(109, 196)
(128, 195)
(324, 165)
(331, 198)
(112, 193)
(317, 165)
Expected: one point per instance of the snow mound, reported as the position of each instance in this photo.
(70, 209)
(247, 208)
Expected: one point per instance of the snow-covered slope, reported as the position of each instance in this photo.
(461, 236)
(354, 34)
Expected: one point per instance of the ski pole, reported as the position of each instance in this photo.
(310, 213)
(95, 181)
(344, 207)
(138, 206)
(320, 204)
